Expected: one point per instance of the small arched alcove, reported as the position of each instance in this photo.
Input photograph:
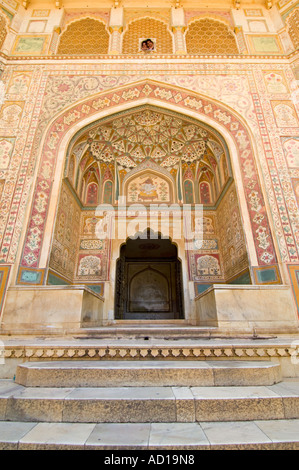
(148, 279)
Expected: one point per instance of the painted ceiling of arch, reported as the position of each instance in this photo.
(149, 135)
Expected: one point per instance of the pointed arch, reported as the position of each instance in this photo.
(205, 192)
(210, 36)
(84, 36)
(108, 192)
(189, 192)
(147, 27)
(210, 111)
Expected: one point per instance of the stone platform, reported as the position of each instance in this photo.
(124, 391)
(147, 373)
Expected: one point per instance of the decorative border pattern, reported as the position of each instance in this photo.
(31, 276)
(276, 41)
(130, 94)
(42, 50)
(55, 279)
(294, 276)
(116, 353)
(266, 275)
(4, 274)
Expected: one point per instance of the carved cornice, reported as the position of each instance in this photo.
(152, 58)
(118, 353)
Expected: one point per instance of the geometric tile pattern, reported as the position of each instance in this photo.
(147, 28)
(208, 36)
(86, 36)
(293, 27)
(3, 30)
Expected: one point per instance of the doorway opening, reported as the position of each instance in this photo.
(148, 280)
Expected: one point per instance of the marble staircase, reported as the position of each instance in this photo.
(149, 405)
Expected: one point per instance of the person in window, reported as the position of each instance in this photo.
(144, 47)
(150, 45)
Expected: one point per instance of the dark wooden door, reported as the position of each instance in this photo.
(148, 289)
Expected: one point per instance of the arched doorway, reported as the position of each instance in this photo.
(152, 158)
(148, 280)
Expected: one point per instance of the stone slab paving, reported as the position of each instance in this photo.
(56, 436)
(119, 436)
(12, 432)
(279, 434)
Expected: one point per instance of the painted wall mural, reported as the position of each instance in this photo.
(247, 90)
(66, 235)
(11, 114)
(161, 145)
(265, 44)
(19, 83)
(93, 252)
(77, 254)
(148, 188)
(184, 100)
(261, 91)
(204, 260)
(275, 83)
(31, 44)
(231, 236)
(291, 150)
(285, 114)
(222, 255)
(6, 149)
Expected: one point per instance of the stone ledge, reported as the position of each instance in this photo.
(147, 373)
(48, 352)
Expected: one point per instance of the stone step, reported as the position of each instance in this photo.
(143, 330)
(148, 404)
(256, 435)
(147, 373)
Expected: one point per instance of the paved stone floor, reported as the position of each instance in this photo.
(280, 434)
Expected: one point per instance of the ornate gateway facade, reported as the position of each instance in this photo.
(149, 166)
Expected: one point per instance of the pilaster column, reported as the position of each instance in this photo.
(8, 42)
(116, 29)
(115, 39)
(179, 39)
(178, 29)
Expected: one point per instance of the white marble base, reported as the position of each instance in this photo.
(51, 308)
(247, 308)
